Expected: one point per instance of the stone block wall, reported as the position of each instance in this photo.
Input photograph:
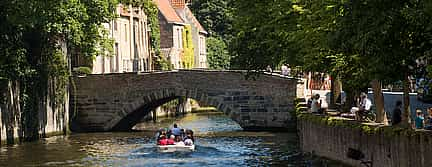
(102, 102)
(384, 149)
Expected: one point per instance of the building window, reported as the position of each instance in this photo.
(202, 45)
(187, 39)
(115, 25)
(126, 32)
(179, 38)
(116, 57)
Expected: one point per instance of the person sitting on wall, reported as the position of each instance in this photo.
(364, 108)
(428, 125)
(316, 105)
(419, 120)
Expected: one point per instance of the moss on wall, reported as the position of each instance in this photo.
(388, 131)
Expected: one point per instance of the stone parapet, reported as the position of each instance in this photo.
(118, 101)
(383, 146)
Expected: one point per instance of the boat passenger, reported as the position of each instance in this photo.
(176, 131)
(160, 132)
(163, 140)
(180, 143)
(170, 141)
(188, 142)
(189, 135)
(182, 133)
(169, 133)
(178, 139)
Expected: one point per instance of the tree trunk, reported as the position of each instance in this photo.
(379, 102)
(11, 114)
(350, 96)
(335, 92)
(406, 114)
(333, 96)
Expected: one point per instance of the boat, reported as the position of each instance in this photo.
(174, 148)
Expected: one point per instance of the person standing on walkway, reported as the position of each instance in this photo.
(397, 113)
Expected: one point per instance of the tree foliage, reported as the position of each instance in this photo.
(357, 41)
(217, 53)
(216, 17)
(37, 34)
(263, 34)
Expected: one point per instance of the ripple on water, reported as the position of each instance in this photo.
(219, 142)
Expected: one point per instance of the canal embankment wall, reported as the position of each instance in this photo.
(48, 115)
(383, 146)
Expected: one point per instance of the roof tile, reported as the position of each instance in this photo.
(168, 11)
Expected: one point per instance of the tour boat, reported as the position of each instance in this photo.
(174, 148)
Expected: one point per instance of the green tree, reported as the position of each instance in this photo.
(35, 36)
(216, 17)
(263, 34)
(358, 41)
(217, 53)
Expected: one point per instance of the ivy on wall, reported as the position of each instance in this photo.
(188, 48)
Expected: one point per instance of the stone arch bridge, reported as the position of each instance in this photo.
(116, 102)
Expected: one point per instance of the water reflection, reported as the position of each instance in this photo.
(220, 142)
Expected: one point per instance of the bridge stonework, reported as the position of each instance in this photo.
(116, 102)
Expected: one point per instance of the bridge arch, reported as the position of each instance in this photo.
(117, 101)
(132, 113)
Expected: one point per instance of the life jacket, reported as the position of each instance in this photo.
(163, 142)
(170, 142)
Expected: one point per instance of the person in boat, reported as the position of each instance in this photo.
(189, 135)
(188, 142)
(180, 143)
(171, 141)
(161, 132)
(182, 133)
(169, 133)
(163, 141)
(175, 130)
(178, 139)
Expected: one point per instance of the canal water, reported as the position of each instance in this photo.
(219, 142)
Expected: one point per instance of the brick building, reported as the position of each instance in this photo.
(173, 16)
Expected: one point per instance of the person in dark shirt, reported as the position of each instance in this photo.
(397, 113)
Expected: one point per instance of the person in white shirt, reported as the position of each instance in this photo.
(365, 106)
(284, 70)
(188, 142)
(316, 105)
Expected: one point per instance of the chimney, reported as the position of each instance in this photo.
(178, 4)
